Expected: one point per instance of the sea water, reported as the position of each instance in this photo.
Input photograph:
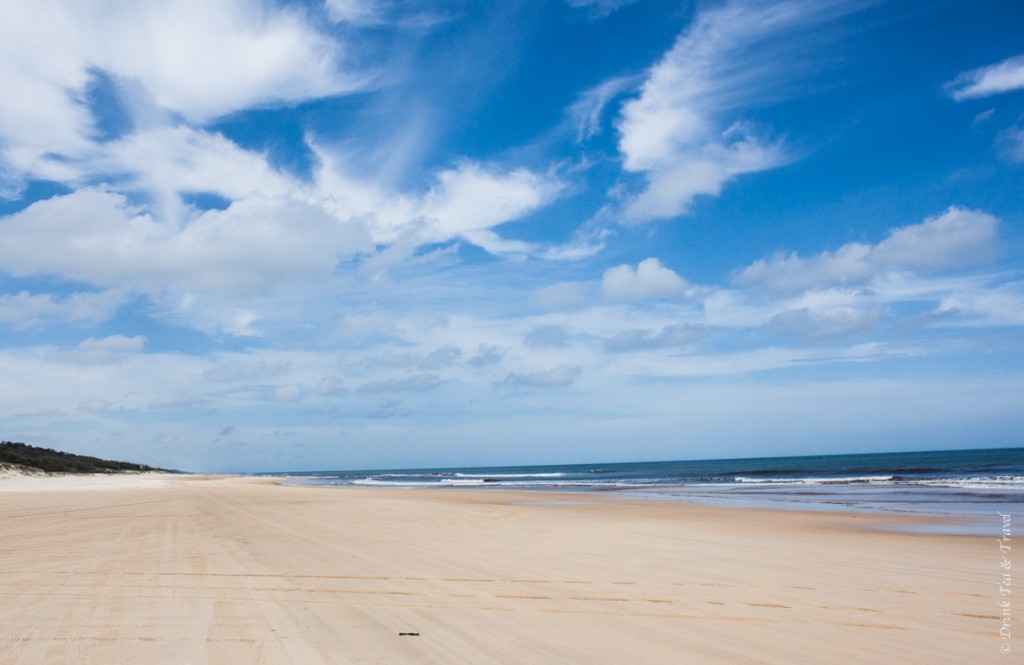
(957, 483)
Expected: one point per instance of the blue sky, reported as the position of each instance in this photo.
(270, 235)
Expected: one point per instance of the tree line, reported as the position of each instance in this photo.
(55, 461)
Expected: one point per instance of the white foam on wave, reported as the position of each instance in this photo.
(977, 483)
(847, 480)
(488, 482)
(510, 475)
(393, 483)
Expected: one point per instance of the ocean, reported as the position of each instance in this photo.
(964, 483)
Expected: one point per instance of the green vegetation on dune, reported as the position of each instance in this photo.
(54, 461)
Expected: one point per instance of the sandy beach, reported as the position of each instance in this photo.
(191, 570)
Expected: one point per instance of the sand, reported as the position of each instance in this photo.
(239, 570)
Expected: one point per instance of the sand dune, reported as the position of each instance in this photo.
(235, 570)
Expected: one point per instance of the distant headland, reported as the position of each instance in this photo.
(21, 457)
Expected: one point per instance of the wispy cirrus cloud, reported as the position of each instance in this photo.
(600, 8)
(996, 79)
(1012, 140)
(687, 132)
(587, 112)
(171, 69)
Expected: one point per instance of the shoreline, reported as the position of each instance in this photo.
(973, 524)
(242, 569)
(908, 522)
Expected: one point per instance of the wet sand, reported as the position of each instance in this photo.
(192, 570)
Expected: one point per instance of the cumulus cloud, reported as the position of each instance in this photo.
(955, 239)
(558, 377)
(650, 279)
(183, 159)
(685, 132)
(171, 68)
(990, 80)
(199, 60)
(97, 237)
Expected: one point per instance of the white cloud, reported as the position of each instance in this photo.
(466, 202)
(486, 356)
(549, 336)
(112, 344)
(1012, 140)
(331, 385)
(986, 304)
(176, 401)
(587, 111)
(685, 132)
(182, 159)
(558, 377)
(357, 12)
(649, 280)
(473, 199)
(416, 383)
(107, 350)
(996, 79)
(95, 406)
(26, 310)
(171, 64)
(98, 237)
(581, 246)
(245, 371)
(197, 59)
(445, 356)
(563, 295)
(955, 239)
(600, 8)
(823, 324)
(670, 337)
